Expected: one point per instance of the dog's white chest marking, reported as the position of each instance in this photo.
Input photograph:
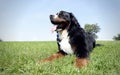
(64, 44)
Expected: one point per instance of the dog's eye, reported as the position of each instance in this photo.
(66, 16)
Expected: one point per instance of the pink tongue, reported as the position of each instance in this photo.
(54, 28)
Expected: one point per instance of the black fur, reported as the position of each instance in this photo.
(83, 42)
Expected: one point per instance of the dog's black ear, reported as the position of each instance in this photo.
(74, 20)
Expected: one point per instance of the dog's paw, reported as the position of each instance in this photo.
(81, 62)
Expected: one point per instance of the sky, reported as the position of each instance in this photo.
(28, 20)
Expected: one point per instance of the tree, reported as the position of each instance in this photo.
(0, 40)
(92, 28)
(117, 37)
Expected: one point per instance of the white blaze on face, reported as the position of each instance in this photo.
(55, 16)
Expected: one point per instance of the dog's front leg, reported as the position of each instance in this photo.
(81, 62)
(54, 56)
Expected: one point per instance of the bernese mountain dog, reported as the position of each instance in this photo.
(71, 39)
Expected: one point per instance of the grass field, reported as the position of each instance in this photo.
(21, 58)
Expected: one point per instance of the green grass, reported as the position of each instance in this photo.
(21, 58)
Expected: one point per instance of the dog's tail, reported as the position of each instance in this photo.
(99, 45)
(96, 44)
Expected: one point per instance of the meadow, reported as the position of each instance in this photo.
(21, 58)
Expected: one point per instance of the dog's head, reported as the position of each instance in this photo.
(62, 20)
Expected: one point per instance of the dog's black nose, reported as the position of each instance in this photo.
(51, 16)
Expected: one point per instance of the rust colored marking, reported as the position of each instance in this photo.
(81, 62)
(52, 57)
(60, 19)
